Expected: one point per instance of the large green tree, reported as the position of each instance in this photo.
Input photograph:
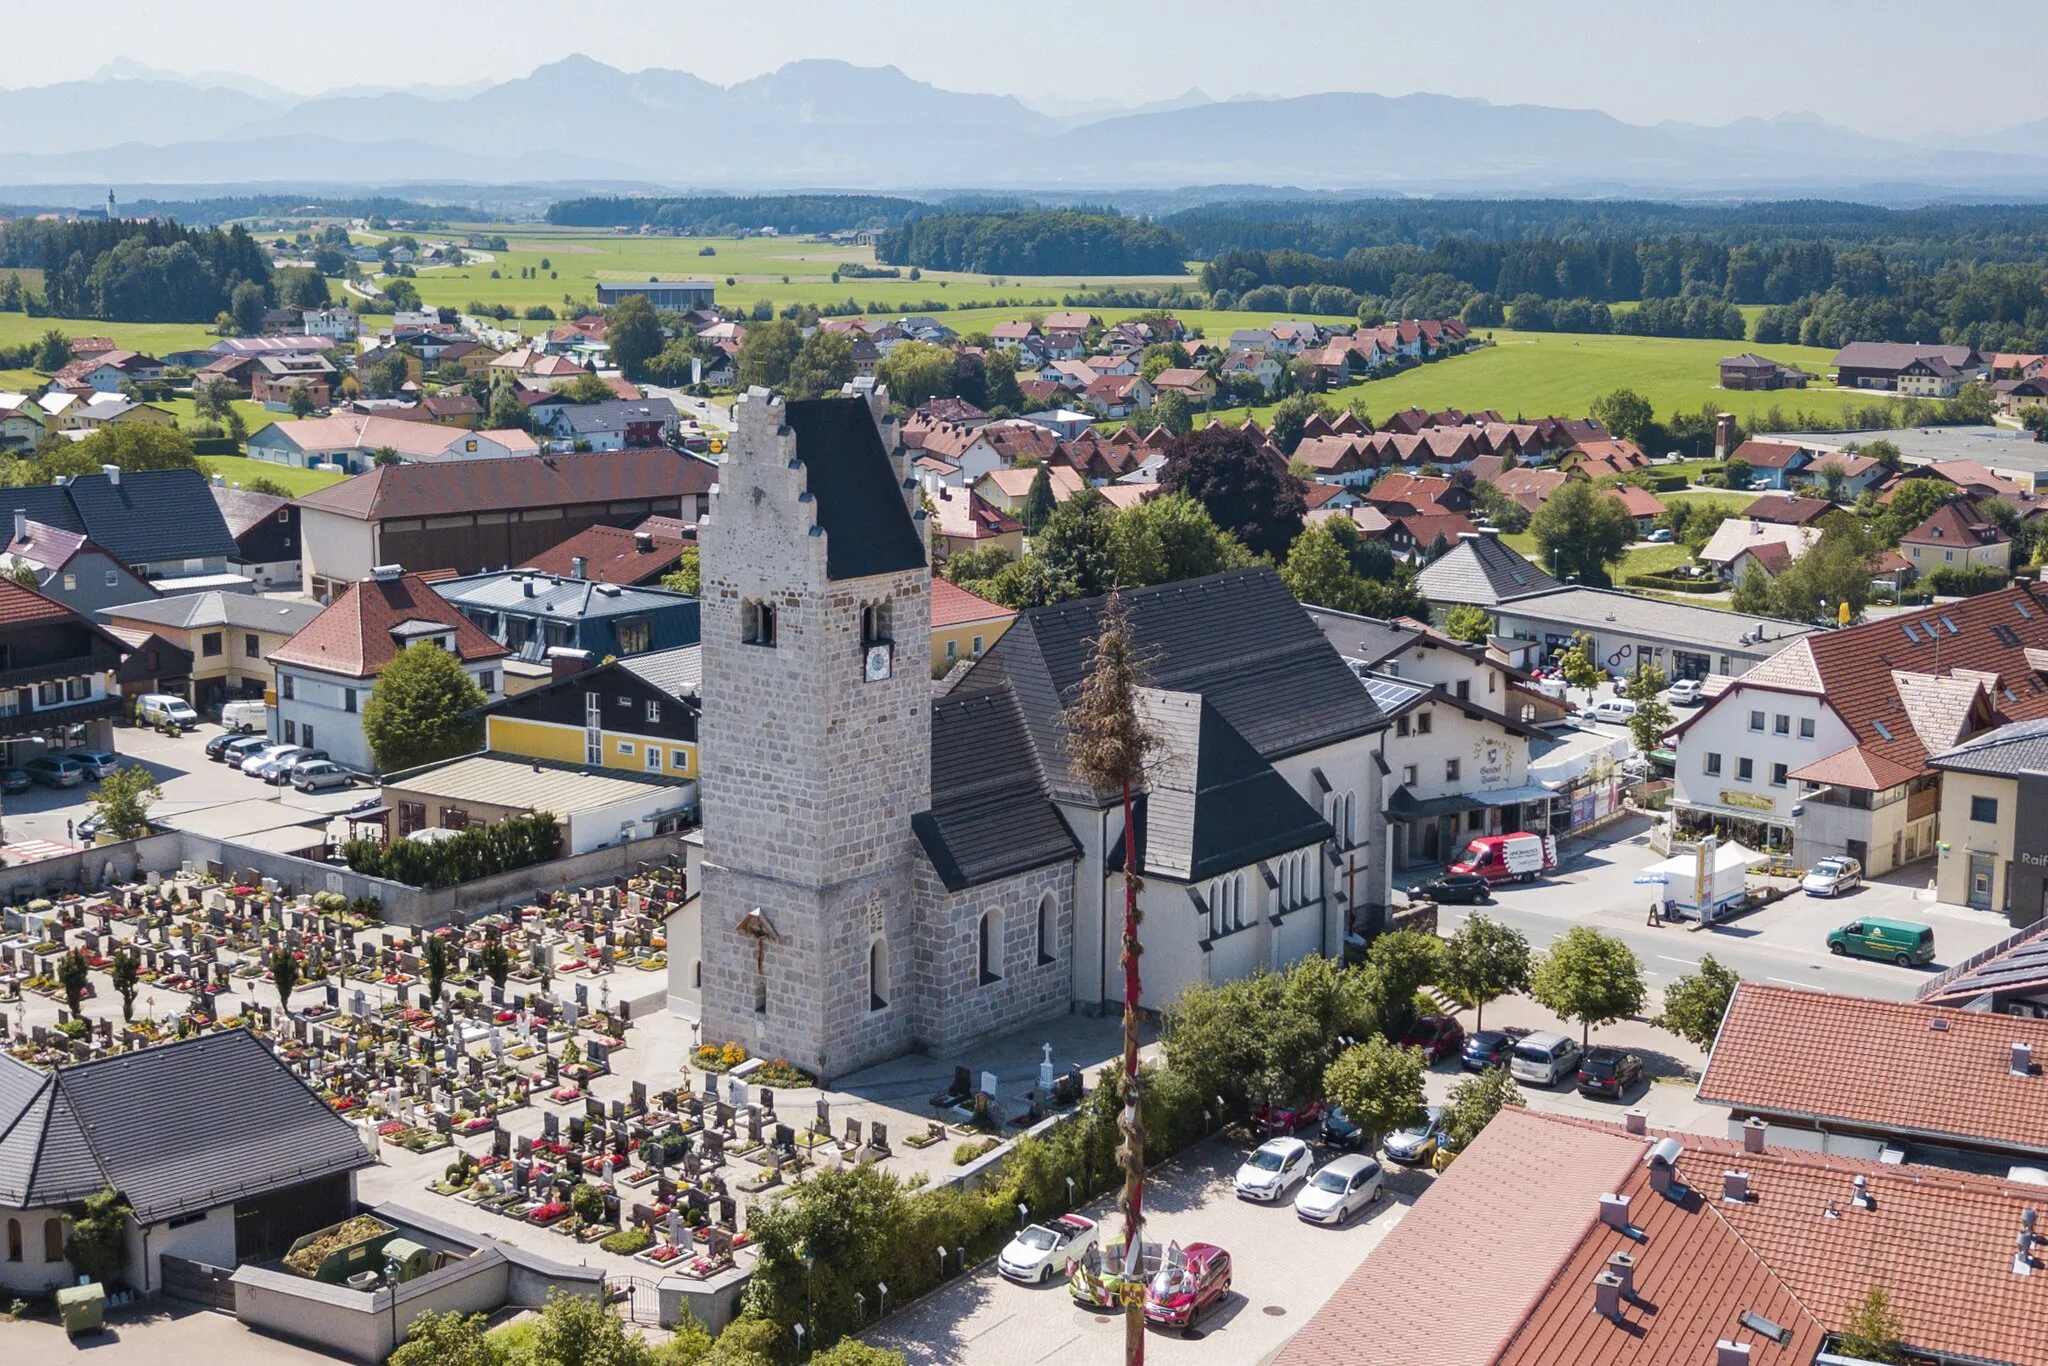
(1475, 1100)
(1075, 548)
(914, 371)
(1483, 961)
(1590, 977)
(1245, 493)
(122, 802)
(98, 1245)
(416, 711)
(1038, 502)
(1624, 413)
(1378, 1084)
(768, 352)
(1172, 412)
(634, 335)
(823, 363)
(1695, 1004)
(1581, 530)
(1168, 538)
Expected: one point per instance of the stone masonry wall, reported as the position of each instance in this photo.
(958, 1008)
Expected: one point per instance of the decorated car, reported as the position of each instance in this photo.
(1194, 1280)
(1041, 1251)
(1104, 1277)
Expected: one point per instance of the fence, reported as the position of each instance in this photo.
(197, 1283)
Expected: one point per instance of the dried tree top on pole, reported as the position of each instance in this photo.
(1106, 735)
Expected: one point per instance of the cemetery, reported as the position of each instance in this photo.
(515, 1080)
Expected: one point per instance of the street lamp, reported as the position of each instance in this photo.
(810, 1294)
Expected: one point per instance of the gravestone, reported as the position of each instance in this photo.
(823, 1123)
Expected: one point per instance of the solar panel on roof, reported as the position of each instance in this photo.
(1879, 727)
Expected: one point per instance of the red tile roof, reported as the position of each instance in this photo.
(1894, 1067)
(1856, 768)
(1786, 509)
(953, 606)
(1767, 455)
(1640, 502)
(457, 486)
(1957, 523)
(19, 606)
(1523, 1221)
(353, 636)
(611, 555)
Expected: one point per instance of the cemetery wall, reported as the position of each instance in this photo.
(415, 907)
(358, 1324)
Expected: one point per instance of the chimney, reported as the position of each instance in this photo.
(1614, 1212)
(1735, 1187)
(1622, 1266)
(579, 566)
(2023, 1258)
(1638, 1121)
(1753, 1131)
(1861, 1199)
(21, 524)
(643, 541)
(526, 585)
(1663, 1164)
(567, 663)
(1728, 1353)
(113, 473)
(2022, 1064)
(1607, 1296)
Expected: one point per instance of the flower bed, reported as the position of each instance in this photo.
(548, 1215)
(566, 1095)
(661, 1254)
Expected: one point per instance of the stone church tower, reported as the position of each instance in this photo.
(815, 733)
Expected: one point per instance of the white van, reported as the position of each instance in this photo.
(247, 716)
(1616, 710)
(155, 708)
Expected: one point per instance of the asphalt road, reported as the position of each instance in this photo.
(1783, 943)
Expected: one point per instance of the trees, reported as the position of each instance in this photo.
(138, 446)
(53, 352)
(284, 971)
(768, 352)
(450, 1339)
(687, 576)
(1173, 412)
(1038, 503)
(589, 388)
(823, 363)
(1266, 1039)
(1318, 569)
(1913, 502)
(436, 958)
(300, 401)
(1577, 664)
(98, 1246)
(1752, 594)
(1483, 961)
(1873, 1330)
(496, 960)
(1624, 413)
(1168, 538)
(1241, 489)
(1378, 1084)
(1695, 1004)
(915, 372)
(1396, 967)
(1581, 530)
(1468, 623)
(1590, 977)
(1291, 416)
(403, 295)
(73, 975)
(634, 335)
(1652, 717)
(127, 973)
(1498, 510)
(247, 303)
(672, 366)
(1074, 549)
(415, 714)
(1108, 741)
(1474, 1102)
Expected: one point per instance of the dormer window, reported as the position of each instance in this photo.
(757, 623)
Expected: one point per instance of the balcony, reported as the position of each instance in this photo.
(1923, 804)
(46, 719)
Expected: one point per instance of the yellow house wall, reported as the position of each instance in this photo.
(564, 744)
(1964, 837)
(962, 638)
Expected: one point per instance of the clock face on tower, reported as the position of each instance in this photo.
(878, 663)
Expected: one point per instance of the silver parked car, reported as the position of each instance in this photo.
(99, 763)
(319, 775)
(253, 765)
(1340, 1190)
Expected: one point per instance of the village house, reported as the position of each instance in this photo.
(964, 520)
(532, 613)
(160, 524)
(1882, 365)
(228, 637)
(1196, 386)
(273, 379)
(1751, 371)
(56, 696)
(610, 554)
(71, 569)
(21, 422)
(963, 625)
(1957, 535)
(326, 671)
(1737, 536)
(351, 442)
(1990, 858)
(613, 425)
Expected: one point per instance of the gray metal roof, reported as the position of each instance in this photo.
(182, 1127)
(678, 672)
(1610, 610)
(1365, 639)
(505, 591)
(250, 611)
(1481, 570)
(615, 415)
(510, 780)
(2009, 751)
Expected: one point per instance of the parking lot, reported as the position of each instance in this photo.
(190, 782)
(1283, 1271)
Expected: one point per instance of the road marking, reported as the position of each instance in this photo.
(1689, 962)
(1803, 986)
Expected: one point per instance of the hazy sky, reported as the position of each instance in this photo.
(1880, 65)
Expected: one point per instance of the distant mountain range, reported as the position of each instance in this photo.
(828, 124)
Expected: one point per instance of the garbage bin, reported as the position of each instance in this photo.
(83, 1308)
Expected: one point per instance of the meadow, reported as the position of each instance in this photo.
(239, 469)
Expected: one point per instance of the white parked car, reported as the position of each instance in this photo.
(1276, 1168)
(1551, 687)
(269, 754)
(1340, 1190)
(1613, 710)
(1832, 877)
(1042, 1251)
(1686, 692)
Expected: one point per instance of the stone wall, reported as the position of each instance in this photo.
(957, 1008)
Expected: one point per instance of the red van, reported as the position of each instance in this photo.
(1520, 857)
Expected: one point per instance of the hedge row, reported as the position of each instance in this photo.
(1667, 583)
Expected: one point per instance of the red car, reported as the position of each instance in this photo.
(1275, 1121)
(1438, 1036)
(1195, 1279)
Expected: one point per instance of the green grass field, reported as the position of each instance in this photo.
(254, 415)
(151, 338)
(239, 469)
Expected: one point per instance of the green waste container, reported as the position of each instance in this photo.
(83, 1308)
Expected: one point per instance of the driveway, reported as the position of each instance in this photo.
(1283, 1271)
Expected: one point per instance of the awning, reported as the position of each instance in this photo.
(1405, 806)
(1515, 796)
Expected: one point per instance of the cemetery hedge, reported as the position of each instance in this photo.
(478, 851)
